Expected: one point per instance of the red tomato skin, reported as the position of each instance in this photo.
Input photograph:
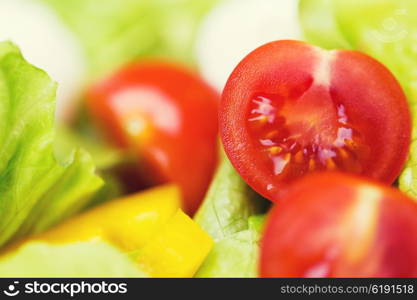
(375, 104)
(179, 143)
(337, 225)
(348, 74)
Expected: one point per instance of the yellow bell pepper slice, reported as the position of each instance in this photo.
(179, 243)
(166, 242)
(128, 222)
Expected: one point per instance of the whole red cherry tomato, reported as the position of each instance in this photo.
(337, 225)
(290, 108)
(168, 115)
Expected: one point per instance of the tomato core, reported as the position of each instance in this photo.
(300, 134)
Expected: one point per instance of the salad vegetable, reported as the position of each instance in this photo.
(350, 227)
(132, 183)
(230, 214)
(38, 188)
(386, 30)
(84, 259)
(235, 256)
(290, 108)
(167, 116)
(149, 226)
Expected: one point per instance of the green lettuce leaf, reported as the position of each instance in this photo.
(229, 216)
(83, 259)
(105, 157)
(237, 255)
(384, 29)
(114, 33)
(177, 26)
(37, 187)
(319, 24)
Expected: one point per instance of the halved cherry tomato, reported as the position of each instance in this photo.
(290, 108)
(168, 115)
(337, 225)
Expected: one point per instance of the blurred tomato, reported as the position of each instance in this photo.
(168, 116)
(337, 225)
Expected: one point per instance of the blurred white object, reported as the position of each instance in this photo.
(236, 27)
(48, 44)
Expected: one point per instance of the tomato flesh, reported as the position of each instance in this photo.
(167, 116)
(336, 225)
(303, 135)
(290, 108)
